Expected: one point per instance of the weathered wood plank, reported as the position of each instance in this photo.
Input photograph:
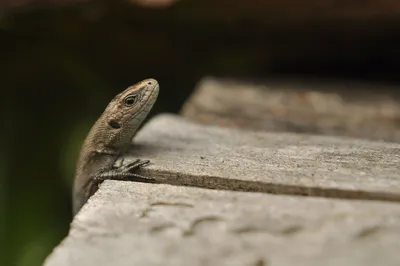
(127, 223)
(186, 153)
(331, 108)
(130, 223)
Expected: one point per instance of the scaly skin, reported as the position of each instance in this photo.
(111, 136)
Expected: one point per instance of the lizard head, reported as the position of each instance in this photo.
(127, 111)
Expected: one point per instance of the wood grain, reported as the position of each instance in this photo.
(331, 108)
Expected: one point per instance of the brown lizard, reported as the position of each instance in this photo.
(110, 137)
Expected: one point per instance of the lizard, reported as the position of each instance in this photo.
(109, 138)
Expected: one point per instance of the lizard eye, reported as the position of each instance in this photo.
(130, 100)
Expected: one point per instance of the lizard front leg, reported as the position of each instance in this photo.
(123, 172)
(120, 173)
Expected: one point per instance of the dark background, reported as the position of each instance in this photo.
(62, 62)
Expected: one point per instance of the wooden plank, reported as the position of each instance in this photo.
(131, 223)
(186, 153)
(127, 223)
(330, 108)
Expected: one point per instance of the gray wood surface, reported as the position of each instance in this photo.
(186, 153)
(214, 209)
(340, 108)
(127, 223)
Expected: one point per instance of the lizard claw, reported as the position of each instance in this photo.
(124, 172)
(133, 165)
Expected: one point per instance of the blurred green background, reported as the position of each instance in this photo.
(63, 61)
